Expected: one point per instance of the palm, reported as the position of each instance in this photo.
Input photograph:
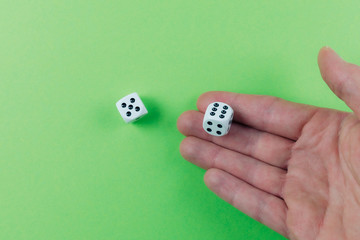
(320, 173)
(293, 167)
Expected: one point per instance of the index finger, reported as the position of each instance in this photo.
(266, 113)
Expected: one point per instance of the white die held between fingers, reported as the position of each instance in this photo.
(218, 118)
(131, 108)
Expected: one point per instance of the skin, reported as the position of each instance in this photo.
(292, 167)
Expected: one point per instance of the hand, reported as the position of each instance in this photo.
(292, 167)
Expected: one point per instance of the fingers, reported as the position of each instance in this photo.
(257, 204)
(265, 113)
(208, 155)
(264, 146)
(342, 77)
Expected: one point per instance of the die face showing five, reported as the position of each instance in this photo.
(131, 107)
(218, 118)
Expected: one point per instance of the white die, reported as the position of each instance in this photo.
(131, 107)
(217, 119)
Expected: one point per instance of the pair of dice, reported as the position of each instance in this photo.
(217, 118)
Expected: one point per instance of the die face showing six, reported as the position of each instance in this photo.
(218, 118)
(131, 107)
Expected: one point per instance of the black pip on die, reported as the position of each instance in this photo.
(217, 119)
(131, 107)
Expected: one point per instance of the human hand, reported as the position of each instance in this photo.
(292, 167)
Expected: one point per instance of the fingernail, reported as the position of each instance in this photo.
(329, 48)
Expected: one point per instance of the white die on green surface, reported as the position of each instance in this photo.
(131, 107)
(218, 118)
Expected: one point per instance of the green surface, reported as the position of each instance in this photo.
(70, 168)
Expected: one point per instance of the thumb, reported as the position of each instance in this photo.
(342, 77)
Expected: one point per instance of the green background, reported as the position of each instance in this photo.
(70, 168)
